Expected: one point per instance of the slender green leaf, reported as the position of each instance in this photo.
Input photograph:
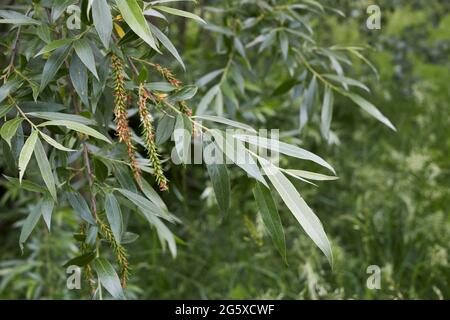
(180, 13)
(310, 175)
(29, 224)
(167, 43)
(84, 52)
(114, 216)
(147, 207)
(54, 45)
(304, 215)
(101, 14)
(371, 109)
(47, 209)
(182, 134)
(270, 217)
(225, 121)
(327, 112)
(16, 18)
(108, 278)
(45, 168)
(185, 93)
(347, 81)
(26, 185)
(153, 196)
(82, 260)
(308, 102)
(164, 129)
(218, 173)
(236, 152)
(285, 148)
(207, 78)
(76, 127)
(134, 17)
(9, 129)
(79, 78)
(52, 65)
(6, 89)
(27, 151)
(206, 100)
(78, 203)
(54, 143)
(61, 116)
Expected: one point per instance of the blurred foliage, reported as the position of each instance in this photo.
(389, 207)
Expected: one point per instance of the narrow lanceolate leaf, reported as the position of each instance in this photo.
(347, 81)
(206, 100)
(153, 196)
(218, 173)
(304, 215)
(25, 154)
(270, 217)
(146, 206)
(134, 17)
(82, 260)
(164, 129)
(310, 175)
(182, 134)
(30, 224)
(78, 203)
(371, 109)
(16, 18)
(207, 78)
(167, 43)
(6, 90)
(79, 78)
(26, 185)
(327, 112)
(101, 13)
(180, 13)
(308, 102)
(236, 152)
(164, 234)
(114, 215)
(52, 65)
(76, 127)
(47, 209)
(226, 121)
(284, 148)
(54, 45)
(108, 278)
(84, 52)
(62, 116)
(147, 209)
(284, 45)
(9, 129)
(45, 168)
(54, 143)
(185, 93)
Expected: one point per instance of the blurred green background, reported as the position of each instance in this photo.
(390, 206)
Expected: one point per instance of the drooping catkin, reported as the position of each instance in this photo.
(170, 77)
(121, 100)
(89, 275)
(149, 139)
(119, 251)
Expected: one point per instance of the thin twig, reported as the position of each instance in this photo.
(14, 50)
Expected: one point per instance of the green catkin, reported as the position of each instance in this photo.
(119, 251)
(149, 139)
(89, 275)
